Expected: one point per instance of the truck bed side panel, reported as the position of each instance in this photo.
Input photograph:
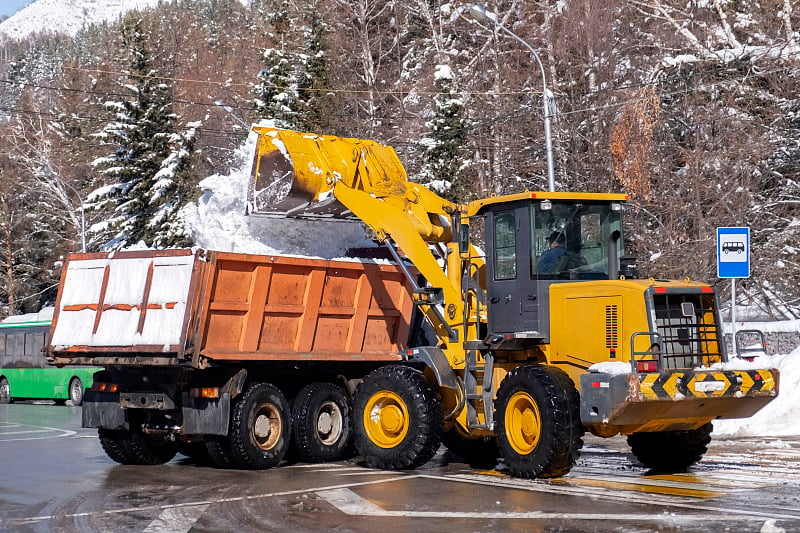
(288, 308)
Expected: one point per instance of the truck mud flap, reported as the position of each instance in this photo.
(206, 416)
(102, 410)
(672, 400)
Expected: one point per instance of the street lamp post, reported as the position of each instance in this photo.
(480, 13)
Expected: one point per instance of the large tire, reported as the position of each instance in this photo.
(671, 451)
(5, 391)
(112, 445)
(539, 431)
(321, 425)
(144, 450)
(397, 418)
(196, 452)
(478, 453)
(135, 448)
(75, 391)
(260, 428)
(218, 449)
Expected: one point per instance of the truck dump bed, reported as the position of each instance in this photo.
(189, 307)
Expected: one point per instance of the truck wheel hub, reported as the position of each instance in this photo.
(267, 426)
(262, 427)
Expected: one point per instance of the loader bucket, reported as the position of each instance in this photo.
(294, 173)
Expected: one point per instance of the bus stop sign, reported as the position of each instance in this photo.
(733, 252)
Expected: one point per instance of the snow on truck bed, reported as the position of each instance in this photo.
(124, 302)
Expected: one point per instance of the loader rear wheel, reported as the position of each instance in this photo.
(478, 452)
(260, 428)
(671, 451)
(397, 420)
(538, 422)
(321, 427)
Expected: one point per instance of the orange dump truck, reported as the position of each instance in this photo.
(182, 333)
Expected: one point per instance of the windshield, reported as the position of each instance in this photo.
(570, 240)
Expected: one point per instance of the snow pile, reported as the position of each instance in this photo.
(219, 221)
(780, 417)
(611, 367)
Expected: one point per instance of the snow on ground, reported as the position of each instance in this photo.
(780, 417)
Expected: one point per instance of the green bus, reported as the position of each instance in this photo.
(24, 375)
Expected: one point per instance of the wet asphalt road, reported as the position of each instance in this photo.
(54, 476)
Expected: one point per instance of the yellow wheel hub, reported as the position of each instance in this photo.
(386, 419)
(523, 423)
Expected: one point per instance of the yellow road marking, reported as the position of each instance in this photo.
(640, 487)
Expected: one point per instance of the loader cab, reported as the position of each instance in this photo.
(545, 238)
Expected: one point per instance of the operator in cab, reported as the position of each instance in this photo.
(551, 259)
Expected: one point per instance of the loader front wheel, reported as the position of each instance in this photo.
(397, 421)
(671, 451)
(538, 422)
(260, 428)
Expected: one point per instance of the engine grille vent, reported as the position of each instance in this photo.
(612, 326)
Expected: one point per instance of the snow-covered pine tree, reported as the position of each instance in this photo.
(149, 167)
(445, 155)
(277, 96)
(315, 87)
(292, 87)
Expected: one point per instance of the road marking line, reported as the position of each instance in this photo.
(176, 519)
(600, 493)
(352, 504)
(25, 431)
(665, 480)
(639, 487)
(58, 433)
(366, 473)
(127, 510)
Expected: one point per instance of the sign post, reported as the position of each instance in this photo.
(733, 261)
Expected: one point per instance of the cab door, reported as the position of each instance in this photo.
(511, 303)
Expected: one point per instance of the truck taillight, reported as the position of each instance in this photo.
(204, 392)
(647, 366)
(104, 387)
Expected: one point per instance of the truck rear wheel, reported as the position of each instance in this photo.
(321, 427)
(110, 441)
(397, 418)
(218, 449)
(260, 428)
(134, 448)
(671, 451)
(538, 422)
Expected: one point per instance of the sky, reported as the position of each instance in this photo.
(9, 7)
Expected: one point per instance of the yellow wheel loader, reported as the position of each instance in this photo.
(534, 328)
